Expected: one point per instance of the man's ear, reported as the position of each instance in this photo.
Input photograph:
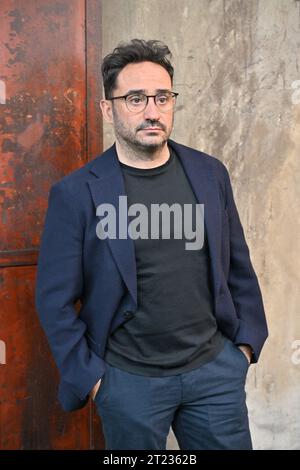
(106, 108)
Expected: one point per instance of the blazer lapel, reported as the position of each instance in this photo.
(204, 184)
(106, 189)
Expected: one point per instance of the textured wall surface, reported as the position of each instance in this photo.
(237, 72)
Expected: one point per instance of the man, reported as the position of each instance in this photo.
(165, 333)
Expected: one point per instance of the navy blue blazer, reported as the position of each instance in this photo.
(74, 264)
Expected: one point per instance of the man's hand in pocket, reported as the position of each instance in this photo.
(95, 389)
(246, 350)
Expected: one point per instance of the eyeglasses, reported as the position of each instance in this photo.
(137, 102)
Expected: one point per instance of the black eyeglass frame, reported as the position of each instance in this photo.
(173, 93)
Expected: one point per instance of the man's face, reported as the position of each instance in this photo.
(130, 127)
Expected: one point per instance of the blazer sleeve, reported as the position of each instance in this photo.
(243, 283)
(59, 285)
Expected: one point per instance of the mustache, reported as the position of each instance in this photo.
(152, 124)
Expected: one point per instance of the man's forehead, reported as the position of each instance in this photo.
(145, 76)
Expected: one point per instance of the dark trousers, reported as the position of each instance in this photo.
(206, 407)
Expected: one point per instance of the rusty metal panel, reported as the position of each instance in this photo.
(30, 416)
(50, 55)
(93, 78)
(43, 119)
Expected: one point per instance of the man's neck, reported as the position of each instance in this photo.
(141, 159)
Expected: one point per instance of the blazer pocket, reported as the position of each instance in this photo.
(225, 217)
(225, 234)
(93, 345)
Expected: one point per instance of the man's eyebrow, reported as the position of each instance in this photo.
(142, 90)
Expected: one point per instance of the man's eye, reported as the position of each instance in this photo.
(162, 99)
(135, 99)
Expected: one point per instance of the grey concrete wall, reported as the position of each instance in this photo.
(237, 72)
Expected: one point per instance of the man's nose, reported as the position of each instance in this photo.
(151, 111)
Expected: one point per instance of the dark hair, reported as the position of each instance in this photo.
(137, 50)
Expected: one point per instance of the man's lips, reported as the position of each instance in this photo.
(152, 129)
